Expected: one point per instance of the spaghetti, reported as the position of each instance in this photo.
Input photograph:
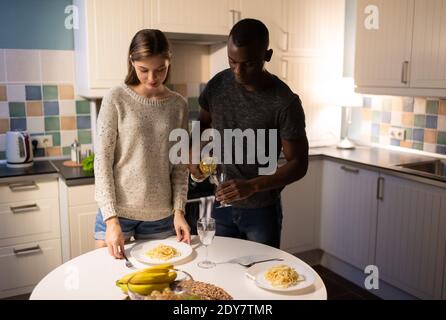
(163, 252)
(283, 276)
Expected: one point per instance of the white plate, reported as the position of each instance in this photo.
(257, 273)
(139, 251)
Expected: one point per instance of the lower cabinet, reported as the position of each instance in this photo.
(300, 206)
(23, 266)
(396, 224)
(349, 213)
(30, 238)
(82, 221)
(411, 239)
(79, 208)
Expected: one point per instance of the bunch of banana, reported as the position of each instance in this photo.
(147, 280)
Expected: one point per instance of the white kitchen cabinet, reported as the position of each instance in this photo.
(312, 61)
(79, 210)
(404, 53)
(429, 50)
(382, 54)
(82, 221)
(411, 236)
(30, 239)
(349, 213)
(27, 220)
(102, 41)
(190, 16)
(314, 27)
(23, 266)
(301, 207)
(271, 14)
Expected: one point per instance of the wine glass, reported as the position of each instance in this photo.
(206, 232)
(218, 177)
(207, 167)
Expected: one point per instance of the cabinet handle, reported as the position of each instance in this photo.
(234, 17)
(404, 70)
(21, 252)
(285, 36)
(23, 186)
(352, 170)
(380, 189)
(24, 209)
(284, 69)
(238, 17)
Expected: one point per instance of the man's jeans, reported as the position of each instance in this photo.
(262, 225)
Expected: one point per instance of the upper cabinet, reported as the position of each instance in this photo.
(190, 16)
(270, 13)
(106, 28)
(429, 52)
(400, 47)
(314, 28)
(102, 41)
(381, 56)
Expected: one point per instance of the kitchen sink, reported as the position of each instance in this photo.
(434, 167)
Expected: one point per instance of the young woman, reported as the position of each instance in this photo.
(139, 192)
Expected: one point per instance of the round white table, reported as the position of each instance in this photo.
(93, 275)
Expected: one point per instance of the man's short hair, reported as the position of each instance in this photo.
(248, 31)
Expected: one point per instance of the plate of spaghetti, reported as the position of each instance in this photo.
(281, 276)
(161, 251)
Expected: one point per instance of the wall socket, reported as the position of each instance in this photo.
(397, 133)
(43, 141)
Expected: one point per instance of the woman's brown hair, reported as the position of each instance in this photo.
(146, 43)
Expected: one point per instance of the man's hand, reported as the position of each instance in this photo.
(235, 190)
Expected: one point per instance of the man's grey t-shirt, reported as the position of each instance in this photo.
(233, 107)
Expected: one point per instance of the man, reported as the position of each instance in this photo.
(247, 96)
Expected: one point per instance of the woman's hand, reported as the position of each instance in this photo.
(114, 239)
(182, 229)
(195, 171)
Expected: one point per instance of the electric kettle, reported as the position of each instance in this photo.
(19, 152)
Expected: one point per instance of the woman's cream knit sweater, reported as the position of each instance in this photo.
(134, 178)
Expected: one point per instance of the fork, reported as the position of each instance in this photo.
(128, 264)
(247, 265)
(255, 262)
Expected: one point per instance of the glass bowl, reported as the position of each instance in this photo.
(174, 291)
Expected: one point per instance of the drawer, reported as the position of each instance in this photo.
(31, 220)
(26, 264)
(28, 190)
(81, 195)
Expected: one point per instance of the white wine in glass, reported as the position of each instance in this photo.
(206, 232)
(207, 167)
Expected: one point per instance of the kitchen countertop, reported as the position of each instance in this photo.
(379, 158)
(73, 176)
(376, 157)
(382, 159)
(39, 168)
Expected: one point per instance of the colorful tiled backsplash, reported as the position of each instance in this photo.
(45, 110)
(38, 95)
(424, 122)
